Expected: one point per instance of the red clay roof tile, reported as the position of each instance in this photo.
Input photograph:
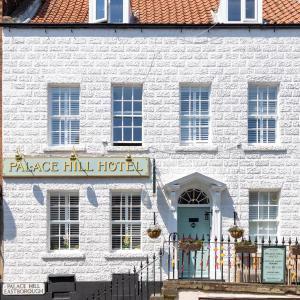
(165, 11)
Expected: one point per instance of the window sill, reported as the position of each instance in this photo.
(66, 148)
(127, 149)
(126, 254)
(197, 148)
(63, 254)
(264, 147)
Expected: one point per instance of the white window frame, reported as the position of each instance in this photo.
(92, 11)
(208, 116)
(61, 117)
(126, 143)
(259, 206)
(222, 15)
(126, 193)
(257, 116)
(67, 193)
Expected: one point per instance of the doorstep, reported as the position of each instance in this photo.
(202, 290)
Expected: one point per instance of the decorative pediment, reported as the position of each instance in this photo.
(194, 178)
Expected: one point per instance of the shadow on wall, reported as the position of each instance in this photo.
(91, 195)
(38, 194)
(227, 205)
(10, 229)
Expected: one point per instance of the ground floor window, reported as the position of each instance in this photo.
(126, 221)
(263, 214)
(64, 220)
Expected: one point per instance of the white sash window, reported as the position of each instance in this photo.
(263, 215)
(64, 111)
(64, 220)
(126, 221)
(194, 114)
(262, 114)
(127, 115)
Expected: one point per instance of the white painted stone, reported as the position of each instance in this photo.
(161, 60)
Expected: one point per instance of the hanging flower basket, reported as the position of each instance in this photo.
(295, 249)
(245, 247)
(236, 232)
(189, 244)
(154, 232)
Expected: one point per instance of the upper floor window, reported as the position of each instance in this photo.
(194, 114)
(263, 214)
(127, 115)
(64, 114)
(64, 220)
(262, 114)
(112, 11)
(242, 10)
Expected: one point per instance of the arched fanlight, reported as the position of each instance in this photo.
(193, 196)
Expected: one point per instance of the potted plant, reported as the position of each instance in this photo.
(295, 249)
(126, 242)
(236, 232)
(154, 231)
(245, 247)
(189, 244)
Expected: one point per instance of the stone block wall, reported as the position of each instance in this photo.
(162, 61)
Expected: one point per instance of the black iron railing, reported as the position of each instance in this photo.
(227, 259)
(138, 284)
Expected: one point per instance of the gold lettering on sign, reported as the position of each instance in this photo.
(37, 167)
(12, 165)
(54, 167)
(129, 166)
(112, 166)
(122, 164)
(137, 168)
(100, 165)
(46, 169)
(68, 165)
(88, 169)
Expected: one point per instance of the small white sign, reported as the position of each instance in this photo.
(24, 288)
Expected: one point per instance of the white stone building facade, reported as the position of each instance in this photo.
(228, 62)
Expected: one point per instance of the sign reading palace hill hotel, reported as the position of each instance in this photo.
(86, 166)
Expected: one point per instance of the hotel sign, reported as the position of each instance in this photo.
(273, 264)
(81, 167)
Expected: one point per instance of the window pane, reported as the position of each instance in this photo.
(127, 134)
(137, 121)
(137, 134)
(117, 121)
(137, 93)
(137, 107)
(127, 93)
(127, 107)
(117, 93)
(116, 11)
(234, 10)
(250, 9)
(117, 134)
(127, 121)
(100, 9)
(253, 212)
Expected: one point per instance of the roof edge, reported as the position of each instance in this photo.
(149, 26)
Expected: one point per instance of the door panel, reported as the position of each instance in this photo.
(192, 222)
